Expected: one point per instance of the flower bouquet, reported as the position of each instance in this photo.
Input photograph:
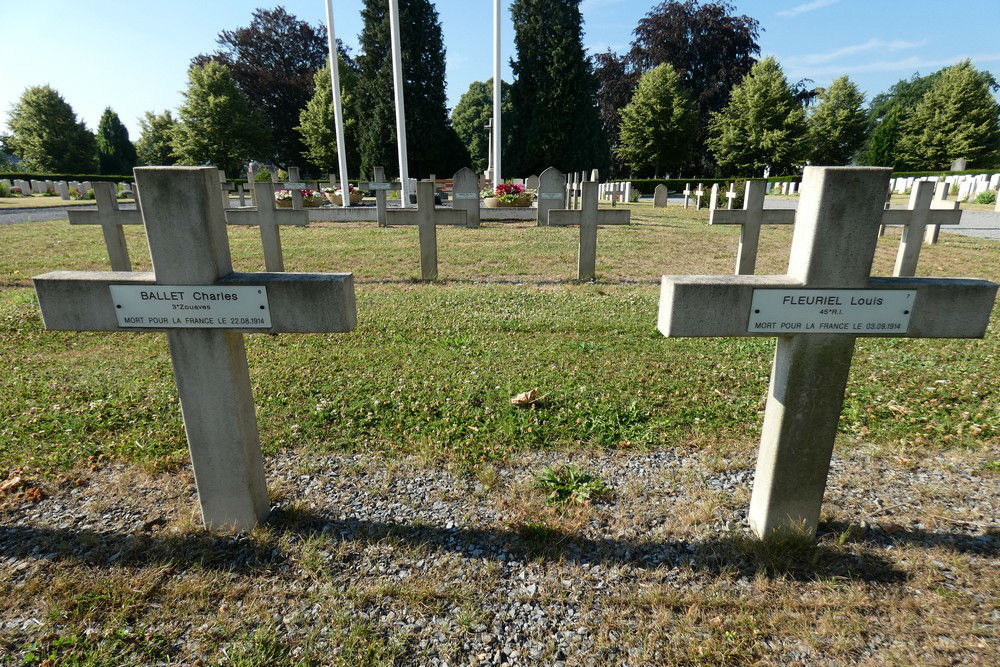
(310, 198)
(333, 195)
(507, 195)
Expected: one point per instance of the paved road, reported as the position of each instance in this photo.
(983, 224)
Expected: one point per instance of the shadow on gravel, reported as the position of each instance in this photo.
(841, 551)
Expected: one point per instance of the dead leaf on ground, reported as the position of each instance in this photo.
(526, 397)
(12, 484)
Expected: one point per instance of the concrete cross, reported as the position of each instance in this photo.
(226, 187)
(427, 217)
(940, 201)
(915, 218)
(588, 217)
(687, 194)
(193, 269)
(268, 217)
(750, 218)
(713, 197)
(110, 218)
(296, 186)
(698, 194)
(380, 186)
(465, 195)
(551, 194)
(730, 196)
(817, 310)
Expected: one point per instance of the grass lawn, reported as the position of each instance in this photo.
(427, 378)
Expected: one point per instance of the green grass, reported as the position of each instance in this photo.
(431, 368)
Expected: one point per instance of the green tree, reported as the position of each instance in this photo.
(46, 135)
(957, 117)
(154, 145)
(469, 118)
(657, 126)
(432, 144)
(554, 116)
(838, 125)
(216, 125)
(115, 152)
(882, 142)
(761, 126)
(317, 126)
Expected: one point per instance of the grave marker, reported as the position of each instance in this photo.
(698, 194)
(730, 196)
(826, 300)
(750, 218)
(268, 218)
(465, 195)
(427, 217)
(381, 186)
(588, 217)
(660, 196)
(687, 194)
(110, 218)
(915, 219)
(192, 264)
(940, 201)
(713, 198)
(551, 194)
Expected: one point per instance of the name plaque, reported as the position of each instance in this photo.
(294, 186)
(380, 186)
(466, 196)
(558, 196)
(857, 311)
(191, 307)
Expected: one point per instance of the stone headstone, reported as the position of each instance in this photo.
(465, 192)
(660, 196)
(551, 194)
(531, 182)
(959, 164)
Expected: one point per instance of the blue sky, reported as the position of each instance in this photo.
(134, 59)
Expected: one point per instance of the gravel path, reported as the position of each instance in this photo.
(441, 568)
(14, 216)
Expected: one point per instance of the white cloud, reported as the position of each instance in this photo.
(908, 64)
(806, 7)
(853, 49)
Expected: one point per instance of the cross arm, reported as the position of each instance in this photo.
(614, 217)
(282, 216)
(935, 216)
(93, 217)
(561, 217)
(298, 302)
(721, 305)
(375, 185)
(770, 216)
(410, 216)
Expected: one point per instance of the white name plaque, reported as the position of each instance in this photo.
(849, 311)
(466, 196)
(380, 186)
(295, 186)
(191, 307)
(554, 196)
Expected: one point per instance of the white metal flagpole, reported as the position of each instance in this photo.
(338, 111)
(497, 87)
(397, 84)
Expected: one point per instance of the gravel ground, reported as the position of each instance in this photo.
(441, 567)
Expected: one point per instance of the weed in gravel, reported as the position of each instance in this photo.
(565, 485)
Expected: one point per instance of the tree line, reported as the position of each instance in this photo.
(689, 97)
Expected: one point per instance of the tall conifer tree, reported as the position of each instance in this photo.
(432, 144)
(115, 152)
(554, 115)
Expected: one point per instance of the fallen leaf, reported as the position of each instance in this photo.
(526, 397)
(11, 484)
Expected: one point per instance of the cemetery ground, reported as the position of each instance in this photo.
(409, 527)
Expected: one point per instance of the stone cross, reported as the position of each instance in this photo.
(698, 194)
(427, 217)
(750, 218)
(730, 196)
(186, 228)
(687, 194)
(915, 218)
(660, 196)
(817, 310)
(551, 194)
(380, 186)
(940, 201)
(295, 185)
(110, 218)
(226, 187)
(465, 195)
(713, 198)
(268, 217)
(588, 217)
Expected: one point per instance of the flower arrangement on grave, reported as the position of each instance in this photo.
(16, 192)
(334, 194)
(507, 195)
(310, 198)
(50, 192)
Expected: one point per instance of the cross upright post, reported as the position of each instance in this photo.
(915, 219)
(713, 198)
(427, 217)
(941, 202)
(817, 310)
(687, 194)
(750, 219)
(110, 218)
(295, 186)
(268, 217)
(588, 217)
(698, 194)
(204, 307)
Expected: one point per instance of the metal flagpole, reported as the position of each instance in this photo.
(397, 84)
(497, 86)
(338, 111)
